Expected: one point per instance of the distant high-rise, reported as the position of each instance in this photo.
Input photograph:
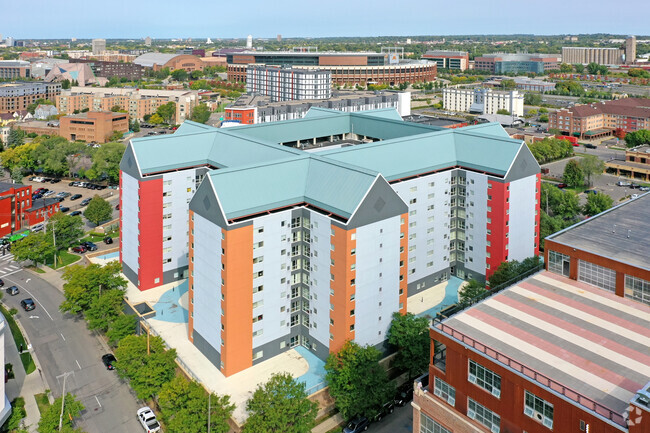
(73, 39)
(99, 46)
(279, 38)
(209, 41)
(630, 50)
(147, 41)
(249, 41)
(600, 55)
(9, 41)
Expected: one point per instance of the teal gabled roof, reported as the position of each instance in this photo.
(189, 127)
(329, 185)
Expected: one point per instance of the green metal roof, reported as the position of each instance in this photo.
(332, 186)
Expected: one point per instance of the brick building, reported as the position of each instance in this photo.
(547, 354)
(17, 96)
(108, 69)
(93, 126)
(14, 69)
(457, 60)
(602, 118)
(157, 61)
(636, 164)
(18, 212)
(500, 63)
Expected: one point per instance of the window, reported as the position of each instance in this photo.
(258, 318)
(483, 415)
(599, 276)
(637, 289)
(258, 354)
(445, 391)
(486, 379)
(538, 409)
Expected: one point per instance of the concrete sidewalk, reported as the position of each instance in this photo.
(22, 385)
(329, 424)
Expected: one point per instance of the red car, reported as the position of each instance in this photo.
(561, 185)
(79, 249)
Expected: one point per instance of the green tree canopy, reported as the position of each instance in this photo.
(637, 138)
(280, 405)
(104, 309)
(579, 67)
(597, 203)
(356, 380)
(98, 210)
(532, 99)
(550, 149)
(35, 247)
(591, 166)
(184, 408)
(508, 84)
(179, 74)
(106, 161)
(573, 175)
(49, 422)
(410, 335)
(167, 112)
(67, 230)
(16, 138)
(470, 290)
(503, 111)
(156, 119)
(200, 114)
(507, 271)
(84, 283)
(147, 372)
(119, 328)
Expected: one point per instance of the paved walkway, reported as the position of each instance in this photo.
(329, 424)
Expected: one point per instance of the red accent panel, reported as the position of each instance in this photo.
(150, 233)
(498, 204)
(538, 213)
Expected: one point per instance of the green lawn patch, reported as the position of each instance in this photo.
(64, 258)
(42, 402)
(35, 269)
(26, 357)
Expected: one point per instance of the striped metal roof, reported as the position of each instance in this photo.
(586, 339)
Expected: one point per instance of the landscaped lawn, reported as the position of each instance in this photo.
(26, 357)
(64, 258)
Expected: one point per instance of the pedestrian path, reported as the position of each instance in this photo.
(7, 264)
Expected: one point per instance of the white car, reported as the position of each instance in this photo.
(38, 227)
(148, 420)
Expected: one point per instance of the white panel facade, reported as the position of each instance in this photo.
(522, 218)
(271, 234)
(320, 231)
(178, 190)
(476, 222)
(129, 245)
(377, 279)
(207, 281)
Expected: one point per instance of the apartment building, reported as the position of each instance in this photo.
(602, 118)
(138, 102)
(15, 69)
(93, 126)
(500, 63)
(98, 46)
(286, 84)
(17, 96)
(483, 101)
(17, 209)
(252, 109)
(457, 60)
(600, 55)
(110, 69)
(547, 354)
(316, 230)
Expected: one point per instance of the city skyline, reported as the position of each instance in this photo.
(335, 19)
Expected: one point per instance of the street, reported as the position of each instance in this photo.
(400, 421)
(63, 344)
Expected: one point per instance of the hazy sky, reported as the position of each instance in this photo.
(308, 18)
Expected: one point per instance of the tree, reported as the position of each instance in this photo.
(67, 230)
(200, 114)
(280, 405)
(35, 247)
(505, 272)
(106, 161)
(597, 203)
(532, 99)
(195, 75)
(573, 175)
(167, 111)
(579, 67)
(592, 166)
(565, 67)
(135, 126)
(508, 84)
(116, 108)
(49, 422)
(104, 309)
(85, 283)
(410, 335)
(65, 84)
(543, 118)
(179, 74)
(120, 327)
(637, 138)
(470, 290)
(356, 380)
(16, 138)
(156, 119)
(550, 225)
(147, 371)
(184, 408)
(98, 210)
(593, 68)
(503, 111)
(568, 205)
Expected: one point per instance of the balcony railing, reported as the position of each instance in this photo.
(538, 377)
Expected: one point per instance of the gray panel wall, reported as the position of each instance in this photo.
(207, 350)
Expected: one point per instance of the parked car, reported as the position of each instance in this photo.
(64, 209)
(357, 425)
(591, 191)
(13, 290)
(89, 246)
(2, 283)
(38, 227)
(36, 196)
(633, 196)
(63, 194)
(76, 197)
(561, 185)
(404, 394)
(71, 183)
(591, 146)
(85, 202)
(108, 240)
(55, 181)
(80, 249)
(622, 183)
(49, 193)
(148, 420)
(644, 188)
(117, 206)
(635, 185)
(75, 213)
(109, 360)
(28, 304)
(385, 410)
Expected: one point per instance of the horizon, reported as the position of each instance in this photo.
(337, 18)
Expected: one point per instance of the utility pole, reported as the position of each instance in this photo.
(65, 376)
